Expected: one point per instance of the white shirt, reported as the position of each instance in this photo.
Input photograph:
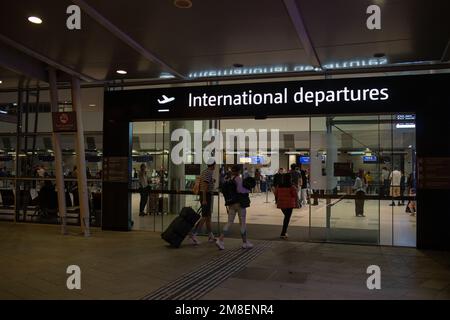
(395, 178)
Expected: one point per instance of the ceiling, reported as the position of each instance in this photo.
(152, 38)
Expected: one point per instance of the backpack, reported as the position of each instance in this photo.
(229, 191)
(196, 187)
(249, 183)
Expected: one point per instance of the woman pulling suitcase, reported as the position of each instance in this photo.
(286, 195)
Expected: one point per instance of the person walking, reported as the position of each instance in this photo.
(304, 186)
(286, 194)
(360, 192)
(258, 181)
(235, 207)
(143, 189)
(401, 200)
(206, 200)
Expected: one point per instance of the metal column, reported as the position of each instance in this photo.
(58, 154)
(81, 158)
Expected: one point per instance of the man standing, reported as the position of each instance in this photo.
(385, 182)
(206, 200)
(395, 178)
(143, 189)
(304, 186)
(296, 179)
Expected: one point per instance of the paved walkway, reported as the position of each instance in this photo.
(138, 265)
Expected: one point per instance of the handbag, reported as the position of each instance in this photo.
(244, 200)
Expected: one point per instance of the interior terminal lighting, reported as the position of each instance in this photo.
(35, 20)
(3, 111)
(1, 81)
(121, 72)
(92, 105)
(166, 75)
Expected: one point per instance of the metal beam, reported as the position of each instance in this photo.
(21, 64)
(108, 25)
(302, 33)
(44, 59)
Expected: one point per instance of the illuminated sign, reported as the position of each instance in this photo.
(356, 63)
(368, 159)
(301, 96)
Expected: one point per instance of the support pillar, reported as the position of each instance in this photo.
(58, 154)
(80, 158)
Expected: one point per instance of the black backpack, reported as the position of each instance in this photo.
(229, 191)
(249, 183)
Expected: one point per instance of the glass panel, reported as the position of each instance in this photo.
(404, 158)
(343, 152)
(386, 155)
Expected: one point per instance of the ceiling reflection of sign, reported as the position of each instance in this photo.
(64, 121)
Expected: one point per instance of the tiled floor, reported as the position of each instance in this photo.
(130, 265)
(391, 224)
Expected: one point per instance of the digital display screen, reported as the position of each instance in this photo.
(370, 159)
(304, 159)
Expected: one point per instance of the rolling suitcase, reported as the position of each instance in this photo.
(180, 227)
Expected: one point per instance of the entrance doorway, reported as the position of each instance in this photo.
(332, 150)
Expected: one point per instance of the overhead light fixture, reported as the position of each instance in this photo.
(183, 4)
(3, 111)
(92, 105)
(121, 72)
(35, 20)
(1, 81)
(166, 75)
(163, 110)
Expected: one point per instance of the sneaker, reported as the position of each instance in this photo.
(247, 245)
(211, 238)
(220, 244)
(284, 237)
(194, 240)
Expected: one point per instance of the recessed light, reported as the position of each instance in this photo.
(35, 20)
(1, 81)
(121, 72)
(238, 65)
(92, 105)
(183, 4)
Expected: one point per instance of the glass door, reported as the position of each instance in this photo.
(345, 168)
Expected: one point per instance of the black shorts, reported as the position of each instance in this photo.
(206, 208)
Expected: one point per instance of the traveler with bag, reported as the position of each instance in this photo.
(206, 188)
(287, 200)
(236, 196)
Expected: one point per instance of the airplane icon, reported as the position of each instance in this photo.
(165, 100)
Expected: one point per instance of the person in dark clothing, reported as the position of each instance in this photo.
(401, 200)
(296, 181)
(360, 191)
(277, 178)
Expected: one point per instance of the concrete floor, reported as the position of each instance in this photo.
(130, 265)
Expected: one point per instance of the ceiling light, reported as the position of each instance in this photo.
(183, 4)
(92, 105)
(3, 111)
(1, 81)
(35, 20)
(121, 72)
